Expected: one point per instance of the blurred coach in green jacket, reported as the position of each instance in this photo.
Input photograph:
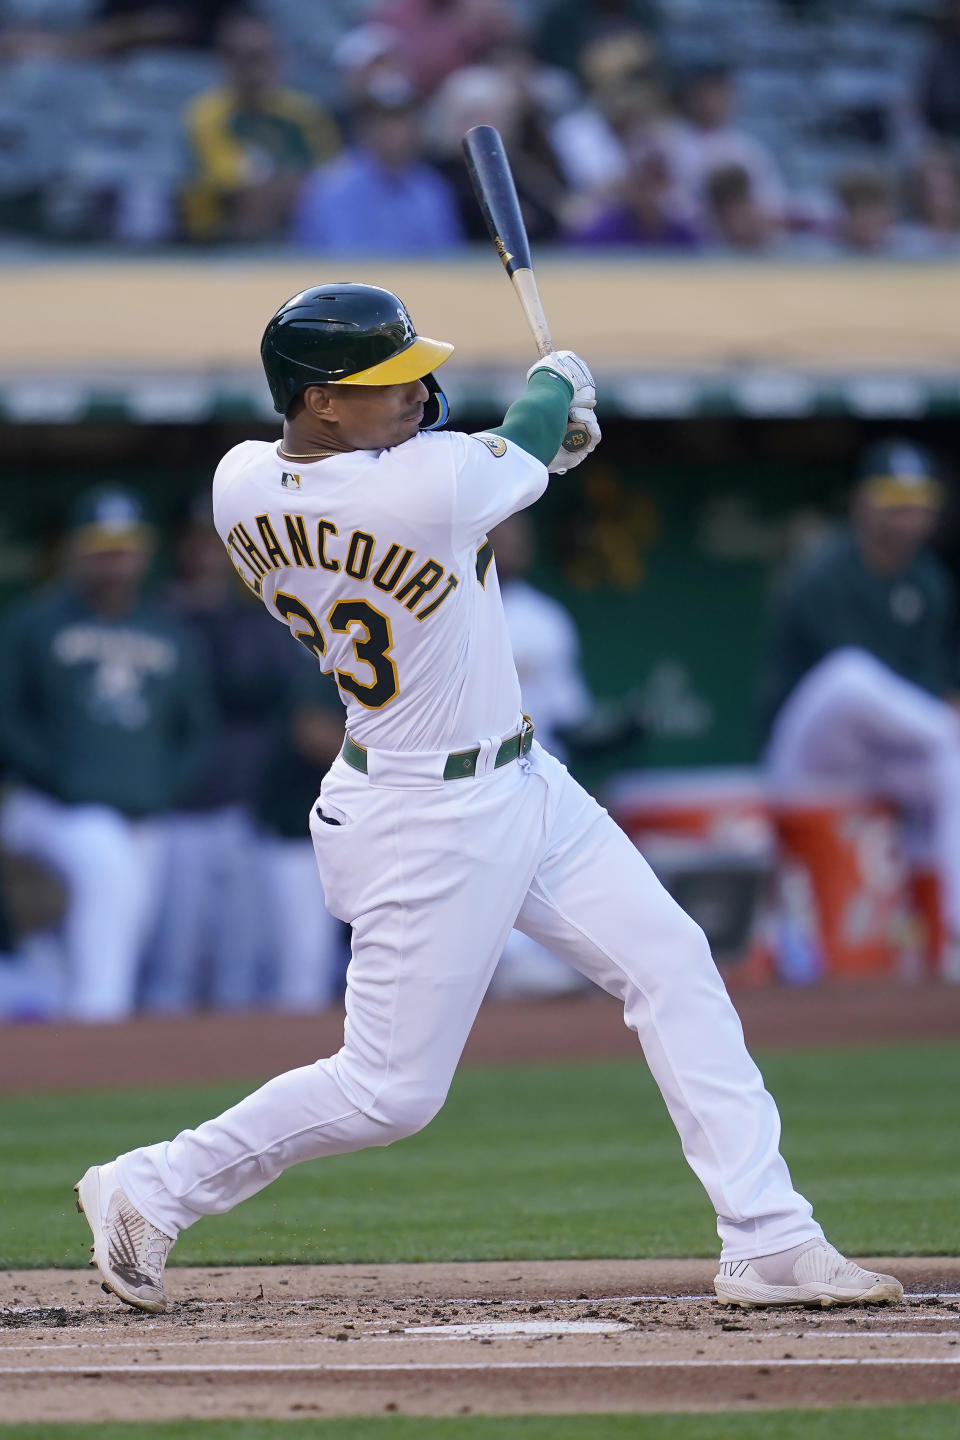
(863, 673)
(104, 718)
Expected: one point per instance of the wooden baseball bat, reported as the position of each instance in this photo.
(496, 193)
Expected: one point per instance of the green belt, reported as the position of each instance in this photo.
(460, 763)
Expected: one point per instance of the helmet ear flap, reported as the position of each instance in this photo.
(436, 411)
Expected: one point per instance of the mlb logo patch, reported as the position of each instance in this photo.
(290, 481)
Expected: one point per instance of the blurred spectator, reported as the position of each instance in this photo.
(113, 28)
(863, 672)
(104, 720)
(623, 106)
(252, 142)
(503, 95)
(565, 28)
(209, 948)
(26, 40)
(543, 93)
(866, 224)
(737, 222)
(380, 197)
(436, 37)
(640, 212)
(123, 25)
(939, 98)
(934, 204)
(705, 139)
(307, 951)
(369, 67)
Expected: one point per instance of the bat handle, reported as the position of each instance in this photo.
(526, 287)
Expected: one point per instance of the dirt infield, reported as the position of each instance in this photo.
(35, 1058)
(505, 1337)
(457, 1339)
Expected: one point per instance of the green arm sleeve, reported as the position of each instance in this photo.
(537, 420)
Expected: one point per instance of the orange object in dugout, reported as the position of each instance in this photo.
(849, 849)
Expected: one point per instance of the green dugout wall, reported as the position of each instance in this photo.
(664, 546)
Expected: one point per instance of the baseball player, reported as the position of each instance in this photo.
(442, 822)
(208, 949)
(862, 678)
(105, 718)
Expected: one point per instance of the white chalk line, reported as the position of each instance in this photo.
(235, 1368)
(51, 1346)
(613, 1299)
(149, 1327)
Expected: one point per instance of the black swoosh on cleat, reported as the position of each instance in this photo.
(122, 1258)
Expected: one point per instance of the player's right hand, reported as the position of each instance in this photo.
(564, 460)
(575, 371)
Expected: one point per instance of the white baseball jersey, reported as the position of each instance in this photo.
(379, 563)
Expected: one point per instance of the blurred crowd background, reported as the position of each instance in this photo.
(737, 624)
(740, 126)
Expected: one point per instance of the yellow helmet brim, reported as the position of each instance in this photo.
(417, 359)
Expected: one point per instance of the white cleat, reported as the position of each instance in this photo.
(129, 1252)
(813, 1273)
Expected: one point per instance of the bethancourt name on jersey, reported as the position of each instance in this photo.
(321, 546)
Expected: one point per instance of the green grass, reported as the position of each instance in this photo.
(896, 1422)
(540, 1162)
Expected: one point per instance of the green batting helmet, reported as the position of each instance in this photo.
(349, 334)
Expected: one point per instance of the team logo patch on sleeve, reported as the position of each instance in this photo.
(494, 443)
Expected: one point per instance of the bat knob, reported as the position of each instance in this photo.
(576, 438)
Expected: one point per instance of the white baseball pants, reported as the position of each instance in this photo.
(852, 722)
(111, 866)
(307, 948)
(432, 879)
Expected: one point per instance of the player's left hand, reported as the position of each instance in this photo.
(564, 460)
(575, 371)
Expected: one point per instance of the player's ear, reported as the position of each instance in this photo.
(320, 402)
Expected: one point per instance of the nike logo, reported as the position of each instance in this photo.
(122, 1257)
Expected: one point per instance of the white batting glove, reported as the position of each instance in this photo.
(574, 370)
(564, 460)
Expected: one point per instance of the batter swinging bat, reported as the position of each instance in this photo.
(492, 181)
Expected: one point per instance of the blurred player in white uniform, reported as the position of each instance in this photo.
(862, 679)
(105, 720)
(442, 823)
(546, 652)
(543, 640)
